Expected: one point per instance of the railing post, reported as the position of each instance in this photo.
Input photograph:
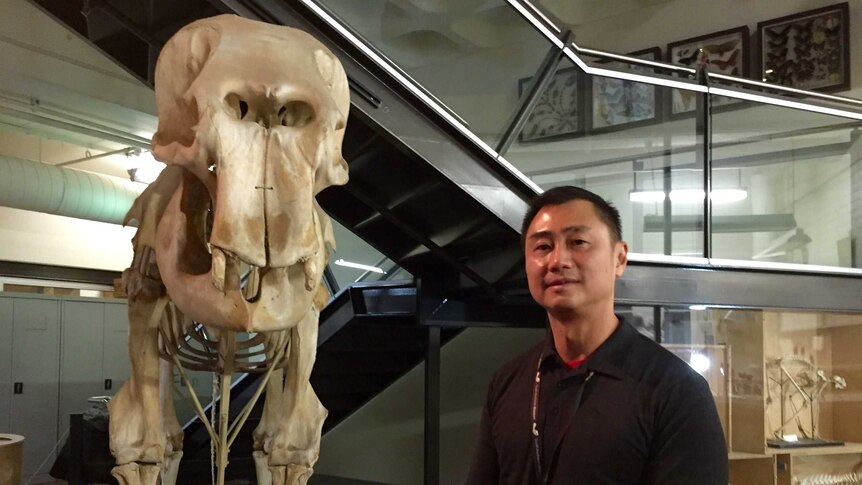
(76, 449)
(432, 406)
(535, 89)
(703, 153)
(432, 386)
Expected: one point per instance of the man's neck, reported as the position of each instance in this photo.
(577, 336)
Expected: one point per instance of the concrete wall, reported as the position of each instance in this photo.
(33, 237)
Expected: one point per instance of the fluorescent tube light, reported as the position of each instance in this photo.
(688, 196)
(728, 195)
(646, 196)
(348, 264)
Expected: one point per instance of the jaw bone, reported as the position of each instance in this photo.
(216, 298)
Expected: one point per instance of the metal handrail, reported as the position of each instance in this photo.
(542, 24)
(712, 75)
(778, 87)
(633, 60)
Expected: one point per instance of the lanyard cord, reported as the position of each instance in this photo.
(534, 415)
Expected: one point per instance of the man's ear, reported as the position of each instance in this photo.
(621, 258)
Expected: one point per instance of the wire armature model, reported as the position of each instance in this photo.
(798, 385)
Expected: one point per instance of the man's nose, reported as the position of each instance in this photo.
(560, 257)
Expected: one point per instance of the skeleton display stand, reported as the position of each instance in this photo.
(231, 240)
(800, 386)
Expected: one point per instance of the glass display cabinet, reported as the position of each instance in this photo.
(788, 388)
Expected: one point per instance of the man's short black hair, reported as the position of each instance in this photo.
(567, 193)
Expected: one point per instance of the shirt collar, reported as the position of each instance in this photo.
(608, 359)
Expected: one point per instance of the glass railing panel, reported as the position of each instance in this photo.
(472, 56)
(612, 137)
(783, 183)
(642, 318)
(353, 253)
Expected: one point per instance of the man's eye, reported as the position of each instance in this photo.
(542, 247)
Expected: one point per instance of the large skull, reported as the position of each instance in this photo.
(255, 113)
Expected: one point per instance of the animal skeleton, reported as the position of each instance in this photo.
(251, 121)
(831, 479)
(798, 380)
(852, 478)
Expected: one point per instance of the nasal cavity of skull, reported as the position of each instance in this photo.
(296, 114)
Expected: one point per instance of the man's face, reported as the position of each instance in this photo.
(571, 261)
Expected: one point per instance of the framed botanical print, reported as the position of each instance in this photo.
(808, 50)
(724, 52)
(616, 103)
(558, 112)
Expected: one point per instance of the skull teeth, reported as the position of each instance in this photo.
(219, 266)
(252, 284)
(226, 269)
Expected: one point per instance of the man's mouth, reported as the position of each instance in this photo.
(557, 282)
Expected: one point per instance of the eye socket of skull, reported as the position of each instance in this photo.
(236, 105)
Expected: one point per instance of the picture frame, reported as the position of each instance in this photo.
(559, 112)
(809, 50)
(617, 104)
(723, 52)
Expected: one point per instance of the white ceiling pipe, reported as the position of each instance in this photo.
(40, 187)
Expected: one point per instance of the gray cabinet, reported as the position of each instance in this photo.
(94, 359)
(35, 372)
(55, 353)
(115, 356)
(5, 362)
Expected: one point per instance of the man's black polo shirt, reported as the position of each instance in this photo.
(645, 417)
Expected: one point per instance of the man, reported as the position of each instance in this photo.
(597, 402)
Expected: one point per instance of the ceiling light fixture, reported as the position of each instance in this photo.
(146, 169)
(348, 264)
(699, 362)
(146, 174)
(689, 196)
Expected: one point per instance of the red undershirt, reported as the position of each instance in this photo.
(575, 363)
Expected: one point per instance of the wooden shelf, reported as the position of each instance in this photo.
(741, 455)
(848, 448)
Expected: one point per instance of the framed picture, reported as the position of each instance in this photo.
(808, 50)
(558, 113)
(724, 52)
(616, 102)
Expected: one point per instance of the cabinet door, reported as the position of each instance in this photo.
(115, 358)
(35, 364)
(5, 362)
(81, 356)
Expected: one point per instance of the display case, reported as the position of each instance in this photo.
(788, 388)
